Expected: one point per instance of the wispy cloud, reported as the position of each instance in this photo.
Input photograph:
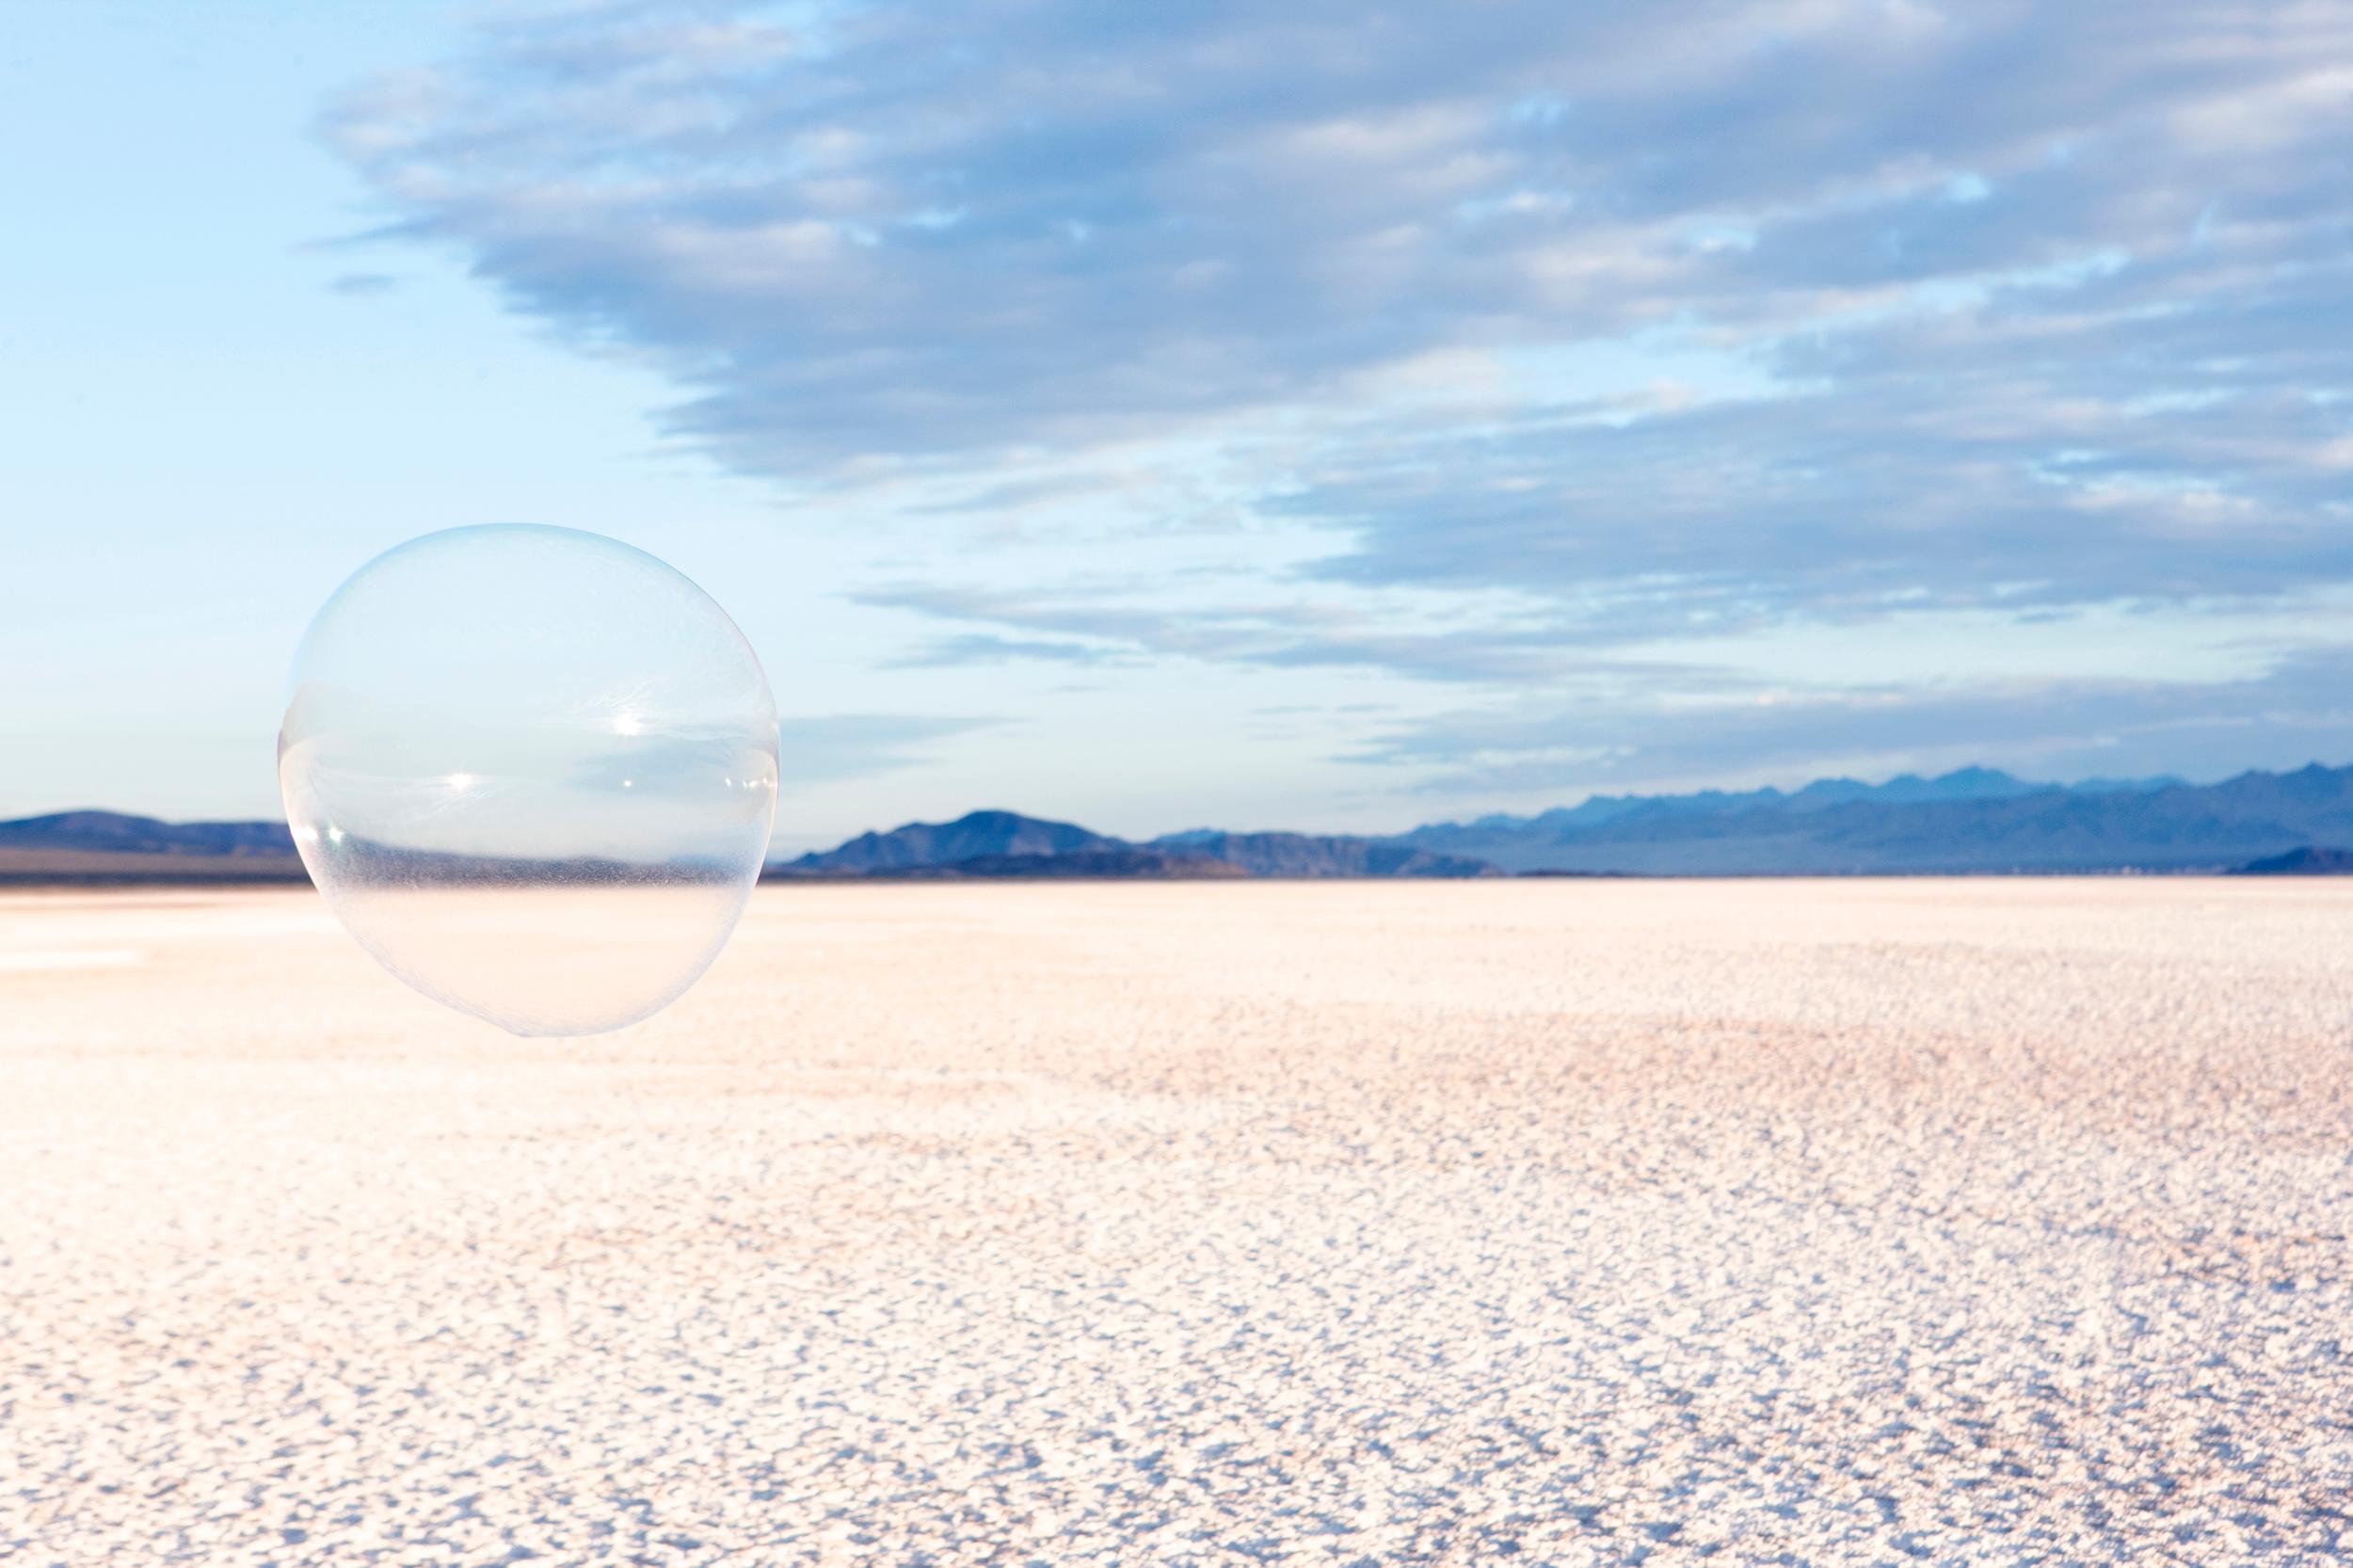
(986, 648)
(835, 747)
(1270, 632)
(2064, 728)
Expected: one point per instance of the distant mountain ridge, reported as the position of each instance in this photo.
(1323, 855)
(1976, 820)
(981, 842)
(1095, 864)
(1970, 821)
(116, 832)
(970, 837)
(101, 848)
(1905, 789)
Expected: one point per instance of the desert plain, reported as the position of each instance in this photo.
(1540, 1222)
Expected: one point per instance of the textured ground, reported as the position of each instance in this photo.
(1990, 1223)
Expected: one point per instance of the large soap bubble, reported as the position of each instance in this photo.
(533, 771)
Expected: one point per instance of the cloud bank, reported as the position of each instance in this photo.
(1654, 322)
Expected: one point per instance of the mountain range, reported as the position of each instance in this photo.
(108, 846)
(1905, 789)
(1973, 820)
(111, 832)
(1976, 820)
(1006, 844)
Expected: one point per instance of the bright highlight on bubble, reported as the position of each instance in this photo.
(533, 771)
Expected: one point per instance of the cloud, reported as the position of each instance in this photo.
(915, 227)
(2298, 710)
(985, 647)
(1266, 631)
(1543, 332)
(2034, 454)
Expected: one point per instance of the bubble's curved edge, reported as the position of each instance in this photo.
(768, 696)
(441, 537)
(744, 892)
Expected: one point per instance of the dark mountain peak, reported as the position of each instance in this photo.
(1971, 783)
(122, 833)
(2314, 780)
(973, 834)
(88, 823)
(991, 819)
(1974, 777)
(1123, 863)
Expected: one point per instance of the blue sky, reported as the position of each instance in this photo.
(1318, 415)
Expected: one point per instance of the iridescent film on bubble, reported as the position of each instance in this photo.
(533, 771)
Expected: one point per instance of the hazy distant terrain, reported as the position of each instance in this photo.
(1006, 844)
(1971, 822)
(1977, 820)
(110, 846)
(113, 832)
(1560, 1222)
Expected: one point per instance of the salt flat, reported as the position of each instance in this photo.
(1998, 1221)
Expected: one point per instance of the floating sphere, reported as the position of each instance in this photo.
(533, 771)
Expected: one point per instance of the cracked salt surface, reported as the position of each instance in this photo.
(1998, 1221)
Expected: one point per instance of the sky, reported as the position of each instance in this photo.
(1317, 416)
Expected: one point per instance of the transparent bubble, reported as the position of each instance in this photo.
(533, 771)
